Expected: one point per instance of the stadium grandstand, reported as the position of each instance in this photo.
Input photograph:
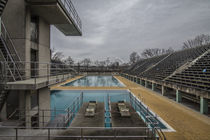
(187, 72)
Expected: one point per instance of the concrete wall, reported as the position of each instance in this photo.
(44, 46)
(17, 19)
(44, 104)
(14, 20)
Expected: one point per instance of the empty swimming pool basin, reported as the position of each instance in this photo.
(61, 99)
(95, 81)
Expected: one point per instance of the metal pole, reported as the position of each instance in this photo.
(43, 118)
(35, 72)
(48, 79)
(68, 115)
(16, 133)
(81, 133)
(48, 133)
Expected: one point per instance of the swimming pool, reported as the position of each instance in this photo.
(61, 99)
(95, 81)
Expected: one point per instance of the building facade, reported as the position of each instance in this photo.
(27, 25)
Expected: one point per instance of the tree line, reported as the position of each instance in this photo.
(199, 40)
(58, 57)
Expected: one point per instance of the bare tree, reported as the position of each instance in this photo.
(57, 57)
(69, 61)
(147, 53)
(199, 40)
(86, 62)
(134, 57)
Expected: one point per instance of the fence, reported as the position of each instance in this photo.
(48, 117)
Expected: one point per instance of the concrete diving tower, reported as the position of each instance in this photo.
(60, 13)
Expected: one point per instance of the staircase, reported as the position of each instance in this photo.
(8, 59)
(2, 5)
(9, 56)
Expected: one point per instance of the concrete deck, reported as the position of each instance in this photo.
(133, 121)
(36, 83)
(189, 124)
(97, 121)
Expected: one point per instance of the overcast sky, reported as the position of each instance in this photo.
(116, 28)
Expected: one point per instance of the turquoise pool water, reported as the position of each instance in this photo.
(61, 99)
(95, 81)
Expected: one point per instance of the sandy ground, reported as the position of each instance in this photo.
(189, 124)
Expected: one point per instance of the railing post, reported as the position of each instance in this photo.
(81, 133)
(48, 133)
(48, 79)
(34, 72)
(68, 115)
(43, 118)
(115, 134)
(16, 133)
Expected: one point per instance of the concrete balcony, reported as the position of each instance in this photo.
(60, 13)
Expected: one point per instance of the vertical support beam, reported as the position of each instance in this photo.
(3, 112)
(178, 96)
(146, 84)
(141, 82)
(135, 79)
(0, 25)
(203, 105)
(44, 106)
(138, 80)
(153, 86)
(28, 108)
(163, 90)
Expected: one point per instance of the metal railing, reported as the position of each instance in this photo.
(72, 12)
(79, 133)
(48, 117)
(11, 53)
(151, 120)
(37, 71)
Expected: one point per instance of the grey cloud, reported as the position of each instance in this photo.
(115, 28)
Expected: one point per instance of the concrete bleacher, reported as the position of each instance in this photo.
(185, 72)
(188, 68)
(195, 76)
(177, 59)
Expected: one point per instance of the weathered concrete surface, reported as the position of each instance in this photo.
(97, 121)
(133, 121)
(37, 83)
(187, 123)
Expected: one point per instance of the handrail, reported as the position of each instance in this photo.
(48, 132)
(10, 49)
(9, 37)
(73, 13)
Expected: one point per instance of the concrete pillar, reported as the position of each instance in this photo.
(153, 86)
(163, 90)
(178, 96)
(135, 79)
(138, 80)
(146, 84)
(203, 105)
(141, 82)
(28, 108)
(44, 106)
(3, 112)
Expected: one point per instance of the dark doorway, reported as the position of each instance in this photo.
(34, 65)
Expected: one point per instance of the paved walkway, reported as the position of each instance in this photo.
(189, 124)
